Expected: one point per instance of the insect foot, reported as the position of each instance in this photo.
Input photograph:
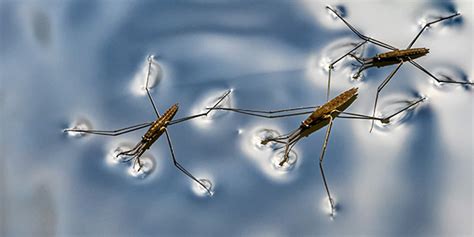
(285, 159)
(385, 120)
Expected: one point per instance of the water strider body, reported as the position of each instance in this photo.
(156, 129)
(390, 58)
(394, 56)
(319, 117)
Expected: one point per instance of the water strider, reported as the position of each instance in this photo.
(320, 116)
(393, 57)
(155, 130)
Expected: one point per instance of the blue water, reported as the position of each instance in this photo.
(71, 63)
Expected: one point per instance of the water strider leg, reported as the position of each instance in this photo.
(366, 38)
(361, 69)
(271, 111)
(323, 151)
(331, 66)
(181, 168)
(257, 114)
(381, 86)
(150, 60)
(348, 115)
(359, 59)
(428, 25)
(111, 132)
(201, 114)
(438, 80)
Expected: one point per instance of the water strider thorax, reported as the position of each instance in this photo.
(158, 127)
(337, 102)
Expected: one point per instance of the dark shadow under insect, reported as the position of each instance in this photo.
(393, 57)
(320, 116)
(155, 130)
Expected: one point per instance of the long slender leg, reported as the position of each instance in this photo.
(406, 108)
(361, 68)
(150, 61)
(271, 111)
(360, 60)
(323, 151)
(181, 168)
(438, 80)
(263, 115)
(372, 40)
(201, 114)
(282, 137)
(349, 115)
(428, 25)
(381, 86)
(331, 66)
(111, 132)
(288, 147)
(383, 120)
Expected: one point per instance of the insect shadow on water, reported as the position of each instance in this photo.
(320, 116)
(155, 130)
(393, 57)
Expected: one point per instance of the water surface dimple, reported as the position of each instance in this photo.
(450, 74)
(325, 206)
(393, 106)
(344, 69)
(149, 68)
(114, 151)
(200, 191)
(209, 101)
(288, 165)
(264, 134)
(434, 14)
(340, 9)
(142, 171)
(80, 123)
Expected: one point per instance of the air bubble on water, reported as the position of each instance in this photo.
(144, 170)
(286, 166)
(200, 191)
(139, 80)
(81, 124)
(263, 134)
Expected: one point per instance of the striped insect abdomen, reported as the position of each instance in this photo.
(330, 106)
(158, 127)
(403, 54)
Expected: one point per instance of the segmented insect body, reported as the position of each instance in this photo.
(322, 112)
(158, 127)
(396, 56)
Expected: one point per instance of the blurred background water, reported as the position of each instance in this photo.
(70, 63)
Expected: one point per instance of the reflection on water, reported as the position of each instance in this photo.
(412, 177)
